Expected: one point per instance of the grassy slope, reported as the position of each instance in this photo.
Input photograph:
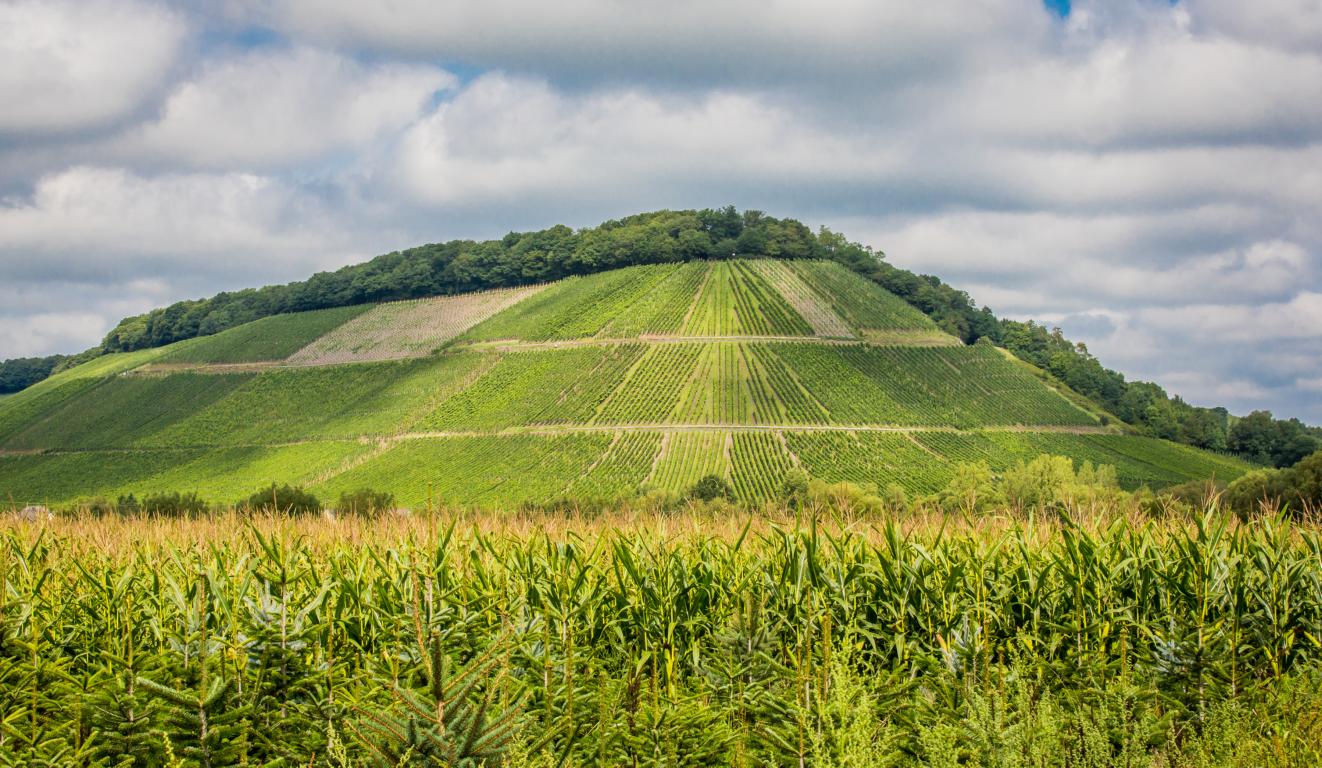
(245, 429)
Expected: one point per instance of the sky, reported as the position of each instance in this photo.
(1146, 175)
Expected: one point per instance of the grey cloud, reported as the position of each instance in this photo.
(687, 42)
(68, 67)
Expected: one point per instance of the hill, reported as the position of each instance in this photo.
(589, 387)
(522, 259)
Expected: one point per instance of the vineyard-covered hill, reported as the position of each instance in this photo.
(589, 387)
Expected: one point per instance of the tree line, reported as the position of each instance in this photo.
(20, 373)
(521, 258)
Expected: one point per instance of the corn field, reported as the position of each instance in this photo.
(813, 641)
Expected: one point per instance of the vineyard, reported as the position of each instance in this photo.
(407, 328)
(270, 338)
(812, 306)
(603, 386)
(529, 388)
(862, 304)
(736, 301)
(475, 470)
(661, 310)
(660, 641)
(576, 307)
(686, 457)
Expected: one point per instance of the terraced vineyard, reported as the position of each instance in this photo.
(407, 328)
(271, 338)
(592, 387)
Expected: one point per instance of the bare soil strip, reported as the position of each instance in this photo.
(404, 329)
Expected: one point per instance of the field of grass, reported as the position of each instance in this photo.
(686, 457)
(270, 338)
(652, 389)
(649, 641)
(58, 478)
(595, 465)
(964, 387)
(405, 329)
(879, 459)
(226, 475)
(620, 470)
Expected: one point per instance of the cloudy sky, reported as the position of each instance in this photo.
(1147, 175)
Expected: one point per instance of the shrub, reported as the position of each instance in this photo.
(972, 488)
(289, 499)
(710, 488)
(1196, 493)
(94, 506)
(846, 496)
(172, 505)
(1299, 488)
(794, 487)
(365, 501)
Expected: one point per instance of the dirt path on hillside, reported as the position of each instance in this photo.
(382, 442)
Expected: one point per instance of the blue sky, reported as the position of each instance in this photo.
(1060, 7)
(1142, 173)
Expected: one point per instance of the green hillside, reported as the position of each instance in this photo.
(588, 387)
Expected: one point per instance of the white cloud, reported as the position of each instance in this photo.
(68, 66)
(1298, 318)
(1167, 87)
(283, 108)
(36, 334)
(505, 138)
(1293, 24)
(91, 223)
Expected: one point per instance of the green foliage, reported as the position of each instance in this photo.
(286, 499)
(1276, 443)
(973, 488)
(365, 501)
(711, 487)
(452, 721)
(20, 373)
(794, 487)
(1047, 643)
(167, 505)
(1299, 488)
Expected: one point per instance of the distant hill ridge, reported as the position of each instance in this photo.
(589, 387)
